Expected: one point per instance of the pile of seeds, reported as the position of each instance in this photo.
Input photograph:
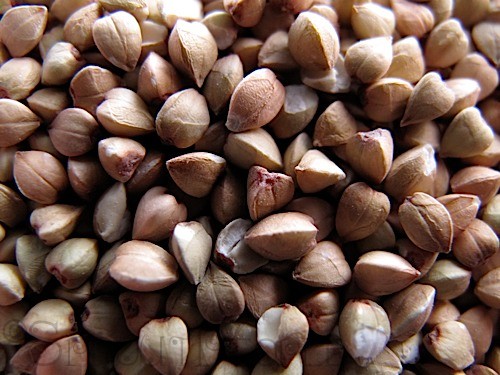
(249, 187)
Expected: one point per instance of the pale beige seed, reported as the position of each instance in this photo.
(222, 26)
(480, 325)
(412, 19)
(221, 82)
(385, 363)
(324, 266)
(294, 153)
(191, 246)
(370, 20)
(17, 122)
(73, 261)
(225, 367)
(196, 172)
(219, 297)
(120, 157)
(60, 64)
(192, 49)
(267, 365)
(335, 126)
(39, 176)
(380, 273)
(282, 332)
(316, 171)
(22, 28)
(78, 27)
(171, 11)
(50, 320)
(364, 330)
(370, 154)
(313, 42)
(275, 53)
(385, 100)
(470, 15)
(118, 37)
(449, 278)
(247, 50)
(475, 66)
(443, 311)
(256, 100)
(267, 192)
(18, 77)
(283, 236)
(245, 13)
(30, 257)
(450, 343)
(142, 266)
(369, 59)
(154, 39)
(485, 36)
(320, 210)
(332, 81)
(12, 208)
(55, 223)
(463, 209)
(123, 113)
(48, 102)
(491, 214)
(138, 8)
(466, 92)
(253, 147)
(164, 343)
(12, 284)
(407, 61)
(487, 288)
(446, 45)
(62, 9)
(427, 223)
(477, 180)
(183, 118)
(156, 215)
(429, 99)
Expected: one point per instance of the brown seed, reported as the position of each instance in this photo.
(73, 132)
(463, 209)
(65, 356)
(78, 26)
(26, 357)
(267, 365)
(419, 108)
(282, 332)
(238, 338)
(364, 330)
(89, 86)
(140, 308)
(427, 223)
(225, 367)
(86, 176)
(17, 122)
(142, 266)
(420, 259)
(120, 157)
(313, 42)
(386, 362)
(275, 53)
(283, 236)
(481, 181)
(147, 173)
(192, 49)
(202, 167)
(409, 309)
(245, 13)
(10, 316)
(202, 353)
(228, 198)
(273, 19)
(470, 16)
(30, 258)
(360, 212)
(490, 264)
(123, 113)
(183, 119)
(156, 215)
(320, 210)
(263, 291)
(298, 110)
(322, 359)
(322, 309)
(48, 102)
(385, 100)
(39, 176)
(451, 344)
(487, 288)
(219, 297)
(480, 325)
(335, 126)
(22, 28)
(448, 277)
(248, 50)
(324, 266)
(372, 270)
(130, 360)
(50, 320)
(181, 302)
(118, 37)
(12, 208)
(267, 192)
(256, 100)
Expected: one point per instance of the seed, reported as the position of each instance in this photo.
(480, 326)
(282, 332)
(228, 199)
(369, 59)
(86, 176)
(12, 284)
(370, 20)
(26, 357)
(319, 210)
(275, 53)
(484, 35)
(78, 26)
(48, 102)
(263, 291)
(130, 360)
(202, 353)
(412, 19)
(446, 45)
(142, 266)
(120, 157)
(22, 28)
(364, 330)
(475, 66)
(407, 60)
(12, 208)
(322, 359)
(269, 366)
(463, 209)
(256, 100)
(321, 309)
(238, 338)
(451, 344)
(335, 126)
(73, 261)
(487, 288)
(222, 26)
(316, 171)
(18, 77)
(30, 258)
(181, 302)
(477, 180)
(443, 311)
(449, 279)
(50, 320)
(385, 100)
(385, 363)
(65, 356)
